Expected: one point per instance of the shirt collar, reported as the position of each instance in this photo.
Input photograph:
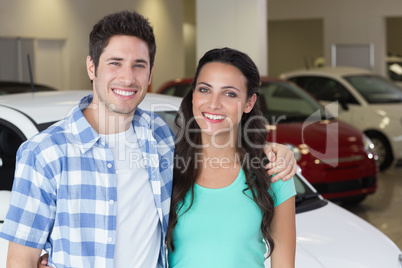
(81, 134)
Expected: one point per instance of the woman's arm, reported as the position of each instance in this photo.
(22, 256)
(283, 230)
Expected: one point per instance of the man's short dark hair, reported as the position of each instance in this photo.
(121, 23)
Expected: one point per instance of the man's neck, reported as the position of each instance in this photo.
(105, 122)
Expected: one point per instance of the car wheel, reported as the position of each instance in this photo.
(383, 149)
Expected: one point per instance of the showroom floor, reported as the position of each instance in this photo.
(383, 209)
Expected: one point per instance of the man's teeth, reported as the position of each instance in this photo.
(214, 117)
(124, 92)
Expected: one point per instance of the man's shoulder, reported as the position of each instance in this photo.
(156, 124)
(53, 136)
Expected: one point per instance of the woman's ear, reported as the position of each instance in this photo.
(250, 103)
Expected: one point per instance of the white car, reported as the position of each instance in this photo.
(327, 235)
(394, 69)
(368, 101)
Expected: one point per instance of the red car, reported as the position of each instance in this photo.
(336, 158)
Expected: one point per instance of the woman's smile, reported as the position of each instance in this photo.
(213, 118)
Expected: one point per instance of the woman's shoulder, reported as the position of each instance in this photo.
(282, 190)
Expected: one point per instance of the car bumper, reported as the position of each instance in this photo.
(347, 179)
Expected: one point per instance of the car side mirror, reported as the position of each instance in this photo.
(344, 104)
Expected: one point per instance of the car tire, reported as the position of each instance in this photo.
(383, 149)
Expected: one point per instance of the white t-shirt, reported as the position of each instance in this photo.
(138, 231)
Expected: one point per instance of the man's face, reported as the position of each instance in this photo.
(122, 76)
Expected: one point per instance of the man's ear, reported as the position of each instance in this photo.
(90, 68)
(250, 103)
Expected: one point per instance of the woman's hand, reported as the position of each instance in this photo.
(281, 162)
(43, 261)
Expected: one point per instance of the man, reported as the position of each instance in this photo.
(76, 193)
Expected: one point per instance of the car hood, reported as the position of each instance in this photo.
(322, 136)
(338, 238)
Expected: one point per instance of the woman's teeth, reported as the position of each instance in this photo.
(214, 117)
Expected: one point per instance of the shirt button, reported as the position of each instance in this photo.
(109, 239)
(111, 202)
(103, 143)
(109, 165)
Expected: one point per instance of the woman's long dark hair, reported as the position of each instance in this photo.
(250, 146)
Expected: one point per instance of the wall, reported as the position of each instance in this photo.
(345, 21)
(394, 36)
(72, 20)
(189, 35)
(294, 44)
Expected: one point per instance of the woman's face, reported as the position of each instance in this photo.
(220, 99)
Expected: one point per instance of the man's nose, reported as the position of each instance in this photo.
(126, 76)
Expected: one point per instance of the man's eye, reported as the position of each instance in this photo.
(139, 66)
(115, 63)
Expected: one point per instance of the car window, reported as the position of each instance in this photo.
(306, 199)
(9, 143)
(375, 89)
(300, 186)
(179, 90)
(282, 102)
(394, 70)
(325, 89)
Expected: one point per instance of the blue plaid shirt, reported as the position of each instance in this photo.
(64, 193)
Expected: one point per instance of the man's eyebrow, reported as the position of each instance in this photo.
(141, 61)
(114, 59)
(225, 87)
(121, 59)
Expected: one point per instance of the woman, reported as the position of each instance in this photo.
(223, 203)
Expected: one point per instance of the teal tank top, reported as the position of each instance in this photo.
(222, 227)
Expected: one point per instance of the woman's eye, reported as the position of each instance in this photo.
(231, 94)
(202, 90)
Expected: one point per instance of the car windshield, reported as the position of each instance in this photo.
(375, 89)
(284, 102)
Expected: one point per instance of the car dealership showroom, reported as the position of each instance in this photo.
(331, 91)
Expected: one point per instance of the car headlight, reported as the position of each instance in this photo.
(369, 147)
(296, 152)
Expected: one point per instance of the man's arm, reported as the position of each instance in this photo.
(281, 162)
(22, 256)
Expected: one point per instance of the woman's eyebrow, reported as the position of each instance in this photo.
(225, 87)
